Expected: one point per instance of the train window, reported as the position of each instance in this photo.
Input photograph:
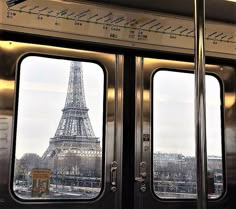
(59, 129)
(174, 166)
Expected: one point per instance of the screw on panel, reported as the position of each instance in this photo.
(113, 189)
(143, 188)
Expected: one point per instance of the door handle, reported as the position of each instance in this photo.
(142, 176)
(114, 176)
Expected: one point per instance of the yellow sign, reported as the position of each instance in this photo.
(41, 182)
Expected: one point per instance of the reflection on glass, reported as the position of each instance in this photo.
(174, 166)
(59, 129)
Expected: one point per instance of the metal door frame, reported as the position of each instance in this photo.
(145, 67)
(11, 53)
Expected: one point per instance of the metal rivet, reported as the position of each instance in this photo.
(144, 174)
(143, 188)
(114, 164)
(113, 189)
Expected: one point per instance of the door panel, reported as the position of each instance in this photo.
(16, 102)
(165, 144)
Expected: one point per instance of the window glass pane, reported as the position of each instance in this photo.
(174, 166)
(59, 129)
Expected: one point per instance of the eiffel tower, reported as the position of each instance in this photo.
(74, 134)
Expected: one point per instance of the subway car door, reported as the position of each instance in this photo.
(60, 127)
(165, 161)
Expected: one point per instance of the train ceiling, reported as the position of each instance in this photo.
(219, 10)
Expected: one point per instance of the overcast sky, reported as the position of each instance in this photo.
(173, 109)
(43, 88)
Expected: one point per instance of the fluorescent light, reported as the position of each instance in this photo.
(231, 0)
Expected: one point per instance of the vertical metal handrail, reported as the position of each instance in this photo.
(200, 107)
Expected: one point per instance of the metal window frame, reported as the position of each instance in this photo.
(222, 131)
(16, 119)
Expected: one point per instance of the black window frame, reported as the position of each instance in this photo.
(221, 84)
(16, 102)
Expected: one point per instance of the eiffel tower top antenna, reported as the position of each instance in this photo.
(75, 94)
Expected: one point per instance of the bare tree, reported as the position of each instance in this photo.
(27, 162)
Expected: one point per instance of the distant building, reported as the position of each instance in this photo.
(175, 175)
